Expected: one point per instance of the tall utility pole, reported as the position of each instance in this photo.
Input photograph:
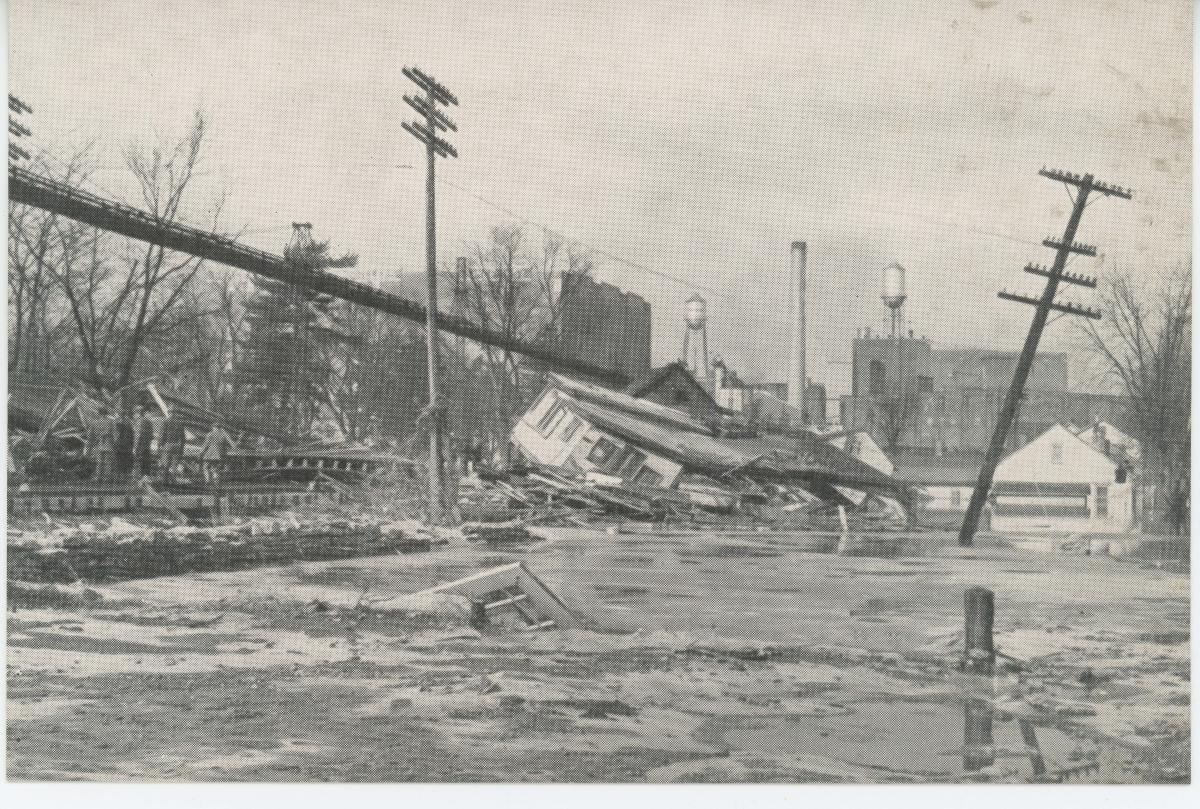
(426, 132)
(797, 292)
(1064, 247)
(460, 344)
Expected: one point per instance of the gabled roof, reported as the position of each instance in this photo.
(650, 380)
(1066, 435)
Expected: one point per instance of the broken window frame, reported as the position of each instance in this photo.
(623, 468)
(610, 448)
(648, 477)
(550, 412)
(572, 426)
(552, 420)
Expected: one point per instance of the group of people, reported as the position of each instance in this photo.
(149, 444)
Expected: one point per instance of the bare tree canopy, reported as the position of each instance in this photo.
(1145, 343)
(514, 288)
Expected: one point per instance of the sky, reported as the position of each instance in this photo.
(695, 139)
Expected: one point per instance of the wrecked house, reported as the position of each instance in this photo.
(588, 429)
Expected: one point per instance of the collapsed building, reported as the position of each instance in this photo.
(50, 425)
(586, 429)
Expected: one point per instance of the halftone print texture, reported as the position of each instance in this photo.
(650, 392)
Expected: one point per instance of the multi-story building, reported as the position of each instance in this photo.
(914, 398)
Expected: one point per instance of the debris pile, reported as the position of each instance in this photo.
(120, 550)
(544, 496)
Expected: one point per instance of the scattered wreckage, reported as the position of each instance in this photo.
(597, 449)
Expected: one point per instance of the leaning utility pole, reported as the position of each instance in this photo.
(16, 129)
(426, 132)
(1064, 248)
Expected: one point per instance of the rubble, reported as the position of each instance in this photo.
(547, 496)
(511, 590)
(121, 550)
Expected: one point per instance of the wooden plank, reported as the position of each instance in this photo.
(179, 516)
(484, 583)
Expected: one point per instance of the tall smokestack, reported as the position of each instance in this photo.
(797, 375)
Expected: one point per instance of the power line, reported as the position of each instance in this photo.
(598, 251)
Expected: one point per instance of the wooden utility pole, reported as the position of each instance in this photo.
(435, 147)
(460, 345)
(1064, 247)
(979, 653)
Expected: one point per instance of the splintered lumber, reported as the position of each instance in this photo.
(337, 486)
(513, 531)
(163, 502)
(502, 585)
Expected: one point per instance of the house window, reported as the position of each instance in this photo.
(648, 477)
(551, 420)
(629, 464)
(1056, 453)
(571, 428)
(956, 498)
(602, 452)
(924, 384)
(551, 412)
(1101, 501)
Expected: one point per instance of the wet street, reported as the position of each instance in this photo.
(738, 657)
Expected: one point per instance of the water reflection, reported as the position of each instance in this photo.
(979, 748)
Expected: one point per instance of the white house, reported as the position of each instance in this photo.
(557, 431)
(1061, 482)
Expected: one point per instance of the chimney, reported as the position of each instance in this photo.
(797, 373)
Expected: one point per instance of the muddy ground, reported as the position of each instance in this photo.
(706, 658)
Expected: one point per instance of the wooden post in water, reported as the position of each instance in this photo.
(979, 609)
(978, 743)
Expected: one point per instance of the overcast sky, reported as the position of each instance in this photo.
(695, 138)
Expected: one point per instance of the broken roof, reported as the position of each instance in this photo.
(696, 446)
(625, 403)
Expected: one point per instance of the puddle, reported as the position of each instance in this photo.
(882, 547)
(952, 741)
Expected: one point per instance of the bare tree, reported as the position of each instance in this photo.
(35, 303)
(123, 301)
(896, 413)
(515, 291)
(1145, 343)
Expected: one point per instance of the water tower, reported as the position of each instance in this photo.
(894, 295)
(695, 339)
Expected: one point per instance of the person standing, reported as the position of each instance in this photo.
(213, 451)
(103, 439)
(123, 447)
(143, 439)
(474, 453)
(170, 453)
